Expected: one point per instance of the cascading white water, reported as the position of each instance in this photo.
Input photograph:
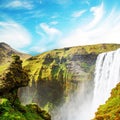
(83, 105)
(107, 75)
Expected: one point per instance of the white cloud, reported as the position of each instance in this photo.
(78, 13)
(107, 30)
(54, 22)
(38, 49)
(98, 13)
(19, 4)
(52, 32)
(86, 2)
(14, 34)
(48, 37)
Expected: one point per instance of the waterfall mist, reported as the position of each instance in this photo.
(84, 102)
(77, 106)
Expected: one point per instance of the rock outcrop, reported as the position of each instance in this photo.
(13, 78)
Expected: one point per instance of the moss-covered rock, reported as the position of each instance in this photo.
(111, 109)
(19, 112)
(10, 107)
(13, 77)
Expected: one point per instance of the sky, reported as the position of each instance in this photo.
(36, 26)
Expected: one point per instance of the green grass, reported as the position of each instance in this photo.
(3, 67)
(43, 66)
(19, 112)
(111, 109)
(94, 49)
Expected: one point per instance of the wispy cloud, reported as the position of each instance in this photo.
(34, 14)
(78, 13)
(86, 2)
(14, 34)
(48, 37)
(98, 13)
(49, 30)
(38, 49)
(54, 22)
(17, 4)
(107, 30)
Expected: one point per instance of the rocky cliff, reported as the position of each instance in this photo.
(10, 107)
(57, 73)
(111, 109)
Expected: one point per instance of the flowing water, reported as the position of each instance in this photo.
(84, 103)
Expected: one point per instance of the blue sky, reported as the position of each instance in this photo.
(36, 26)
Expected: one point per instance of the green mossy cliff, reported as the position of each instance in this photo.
(10, 107)
(59, 64)
(111, 109)
(55, 74)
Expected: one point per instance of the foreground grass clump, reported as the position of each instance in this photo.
(19, 112)
(111, 109)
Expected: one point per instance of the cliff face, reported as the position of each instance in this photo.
(10, 107)
(57, 73)
(111, 109)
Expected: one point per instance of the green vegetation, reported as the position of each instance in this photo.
(55, 73)
(111, 109)
(94, 49)
(48, 107)
(49, 65)
(13, 78)
(85, 66)
(19, 112)
(3, 67)
(65, 68)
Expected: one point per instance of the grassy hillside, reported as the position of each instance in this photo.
(5, 56)
(111, 109)
(57, 73)
(54, 64)
(6, 51)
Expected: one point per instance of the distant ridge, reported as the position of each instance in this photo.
(6, 51)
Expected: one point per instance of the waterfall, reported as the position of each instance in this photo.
(107, 75)
(83, 105)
